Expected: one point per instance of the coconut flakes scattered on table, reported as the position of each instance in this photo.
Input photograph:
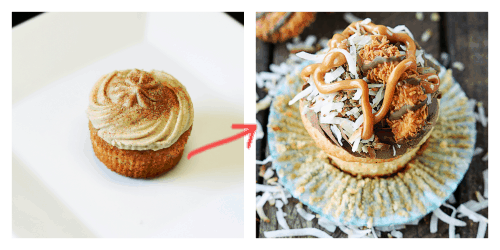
(265, 161)
(458, 65)
(485, 157)
(448, 219)
(350, 18)
(445, 59)
(481, 230)
(302, 212)
(451, 229)
(260, 133)
(280, 215)
(419, 16)
(264, 103)
(485, 179)
(478, 151)
(396, 234)
(268, 174)
(426, 35)
(327, 224)
(482, 116)
(471, 214)
(435, 17)
(434, 223)
(307, 45)
(297, 232)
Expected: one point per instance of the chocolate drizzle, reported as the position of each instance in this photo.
(386, 144)
(377, 61)
(416, 80)
(396, 115)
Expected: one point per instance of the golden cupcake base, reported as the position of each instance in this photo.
(138, 163)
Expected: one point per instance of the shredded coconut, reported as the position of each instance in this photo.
(446, 218)
(265, 161)
(485, 157)
(333, 75)
(419, 16)
(458, 65)
(277, 195)
(301, 95)
(482, 117)
(297, 232)
(434, 223)
(264, 103)
(351, 62)
(280, 216)
(307, 216)
(471, 214)
(350, 18)
(311, 57)
(481, 230)
(426, 35)
(327, 224)
(478, 151)
(485, 179)
(337, 133)
(397, 234)
(260, 133)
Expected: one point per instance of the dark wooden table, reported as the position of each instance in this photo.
(464, 36)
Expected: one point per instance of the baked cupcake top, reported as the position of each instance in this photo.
(139, 110)
(373, 89)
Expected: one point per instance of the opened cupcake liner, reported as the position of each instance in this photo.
(426, 182)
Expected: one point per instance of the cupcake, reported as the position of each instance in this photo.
(371, 101)
(276, 27)
(139, 122)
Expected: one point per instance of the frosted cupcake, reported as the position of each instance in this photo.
(139, 122)
(371, 101)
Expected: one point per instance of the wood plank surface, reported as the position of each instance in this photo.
(464, 36)
(467, 42)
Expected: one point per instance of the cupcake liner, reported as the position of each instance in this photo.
(426, 182)
(138, 163)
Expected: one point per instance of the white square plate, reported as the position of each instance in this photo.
(201, 197)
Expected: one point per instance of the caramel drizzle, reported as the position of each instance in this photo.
(337, 59)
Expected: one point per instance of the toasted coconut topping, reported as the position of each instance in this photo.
(409, 124)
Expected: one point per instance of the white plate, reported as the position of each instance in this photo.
(201, 197)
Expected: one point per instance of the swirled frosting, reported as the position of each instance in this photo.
(139, 110)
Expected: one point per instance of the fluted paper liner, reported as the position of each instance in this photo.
(427, 181)
(138, 163)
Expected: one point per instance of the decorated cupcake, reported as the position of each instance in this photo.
(276, 27)
(139, 122)
(371, 101)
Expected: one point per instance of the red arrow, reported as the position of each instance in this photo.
(249, 129)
